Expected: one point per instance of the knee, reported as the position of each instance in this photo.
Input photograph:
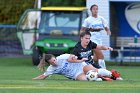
(101, 57)
(98, 57)
(87, 68)
(82, 76)
(95, 59)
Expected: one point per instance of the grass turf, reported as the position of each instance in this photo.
(16, 77)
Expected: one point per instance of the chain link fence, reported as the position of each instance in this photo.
(10, 12)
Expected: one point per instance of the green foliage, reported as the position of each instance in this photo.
(11, 10)
(17, 73)
(64, 2)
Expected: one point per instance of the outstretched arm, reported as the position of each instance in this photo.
(101, 47)
(40, 77)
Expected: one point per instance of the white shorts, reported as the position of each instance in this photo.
(79, 70)
(96, 37)
(97, 41)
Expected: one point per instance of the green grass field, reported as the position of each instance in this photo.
(16, 77)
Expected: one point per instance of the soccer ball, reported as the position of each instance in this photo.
(91, 75)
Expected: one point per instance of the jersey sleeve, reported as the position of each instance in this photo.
(94, 45)
(85, 23)
(63, 57)
(50, 70)
(104, 22)
(75, 51)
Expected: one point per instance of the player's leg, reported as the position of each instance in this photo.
(98, 55)
(88, 68)
(95, 58)
(95, 62)
(81, 71)
(115, 75)
(81, 76)
(104, 72)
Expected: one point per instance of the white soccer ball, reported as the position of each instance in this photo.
(98, 79)
(91, 75)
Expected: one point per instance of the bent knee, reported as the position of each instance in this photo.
(87, 68)
(81, 76)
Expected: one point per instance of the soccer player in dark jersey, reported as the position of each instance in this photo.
(84, 48)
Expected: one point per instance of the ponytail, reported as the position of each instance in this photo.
(41, 65)
(44, 61)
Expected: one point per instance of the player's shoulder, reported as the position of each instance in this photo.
(78, 44)
(92, 43)
(63, 56)
(51, 67)
(89, 18)
(101, 17)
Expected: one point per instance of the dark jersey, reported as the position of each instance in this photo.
(81, 52)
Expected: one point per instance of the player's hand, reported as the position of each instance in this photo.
(74, 57)
(40, 77)
(95, 29)
(108, 33)
(84, 59)
(110, 48)
(99, 29)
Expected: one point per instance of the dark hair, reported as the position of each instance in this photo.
(93, 6)
(86, 32)
(48, 57)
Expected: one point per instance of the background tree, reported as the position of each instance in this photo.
(11, 10)
(64, 2)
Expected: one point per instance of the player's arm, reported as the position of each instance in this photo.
(90, 29)
(107, 31)
(50, 71)
(83, 29)
(106, 27)
(73, 58)
(40, 77)
(94, 29)
(101, 47)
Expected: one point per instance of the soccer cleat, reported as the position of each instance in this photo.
(119, 78)
(116, 75)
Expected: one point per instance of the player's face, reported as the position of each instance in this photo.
(94, 10)
(85, 40)
(52, 61)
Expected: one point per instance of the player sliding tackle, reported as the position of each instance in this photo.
(70, 67)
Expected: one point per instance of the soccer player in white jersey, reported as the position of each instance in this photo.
(68, 66)
(96, 24)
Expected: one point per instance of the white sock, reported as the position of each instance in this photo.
(101, 63)
(104, 72)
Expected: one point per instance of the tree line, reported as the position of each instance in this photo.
(11, 10)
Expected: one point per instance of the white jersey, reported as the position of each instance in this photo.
(70, 70)
(92, 22)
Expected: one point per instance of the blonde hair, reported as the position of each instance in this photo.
(41, 65)
(44, 61)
